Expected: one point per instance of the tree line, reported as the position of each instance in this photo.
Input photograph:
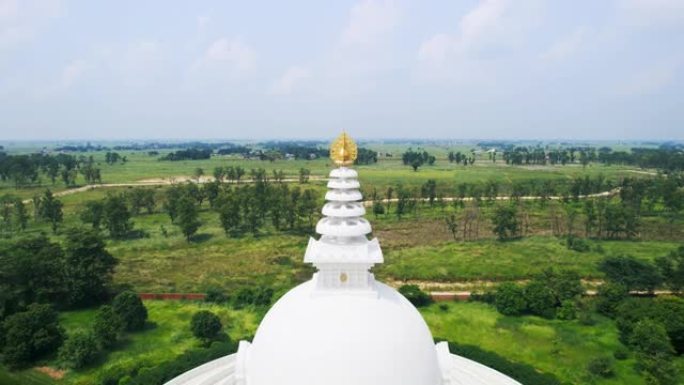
(26, 169)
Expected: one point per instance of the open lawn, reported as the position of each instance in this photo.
(562, 348)
(513, 260)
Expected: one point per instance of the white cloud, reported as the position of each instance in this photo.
(649, 81)
(566, 46)
(370, 21)
(72, 72)
(492, 29)
(21, 20)
(202, 23)
(643, 13)
(289, 81)
(230, 54)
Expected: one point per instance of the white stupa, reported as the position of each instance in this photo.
(343, 327)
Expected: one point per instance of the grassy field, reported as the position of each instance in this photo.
(387, 172)
(562, 348)
(166, 336)
(518, 259)
(417, 248)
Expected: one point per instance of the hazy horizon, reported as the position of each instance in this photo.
(380, 69)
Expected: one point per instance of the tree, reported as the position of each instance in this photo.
(509, 299)
(92, 213)
(304, 175)
(671, 267)
(307, 206)
(634, 274)
(130, 310)
(239, 173)
(30, 271)
(601, 366)
(416, 296)
(188, 217)
(229, 212)
(106, 327)
(51, 210)
(403, 197)
(429, 191)
(505, 221)
(88, 268)
(116, 216)
(565, 284)
(30, 334)
(205, 325)
(609, 297)
(79, 350)
(198, 173)
(452, 224)
(540, 299)
(20, 214)
(139, 198)
(650, 337)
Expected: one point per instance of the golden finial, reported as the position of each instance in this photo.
(343, 150)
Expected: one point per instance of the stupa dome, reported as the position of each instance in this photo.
(343, 339)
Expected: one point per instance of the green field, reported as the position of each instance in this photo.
(562, 348)
(418, 248)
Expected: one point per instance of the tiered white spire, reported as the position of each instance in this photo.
(343, 254)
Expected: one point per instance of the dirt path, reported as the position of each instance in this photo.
(160, 182)
(183, 179)
(507, 198)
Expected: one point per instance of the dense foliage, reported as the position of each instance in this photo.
(523, 373)
(130, 310)
(205, 325)
(416, 296)
(29, 335)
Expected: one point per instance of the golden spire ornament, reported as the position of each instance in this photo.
(343, 150)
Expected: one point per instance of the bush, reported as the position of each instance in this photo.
(79, 350)
(259, 296)
(30, 334)
(601, 366)
(509, 299)
(539, 299)
(577, 244)
(488, 296)
(160, 374)
(567, 310)
(668, 312)
(631, 272)
(106, 327)
(565, 284)
(205, 325)
(585, 318)
(650, 337)
(609, 296)
(215, 295)
(416, 296)
(378, 208)
(621, 353)
(130, 310)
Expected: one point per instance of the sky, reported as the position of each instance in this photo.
(489, 69)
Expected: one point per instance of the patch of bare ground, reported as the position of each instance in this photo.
(413, 232)
(51, 372)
